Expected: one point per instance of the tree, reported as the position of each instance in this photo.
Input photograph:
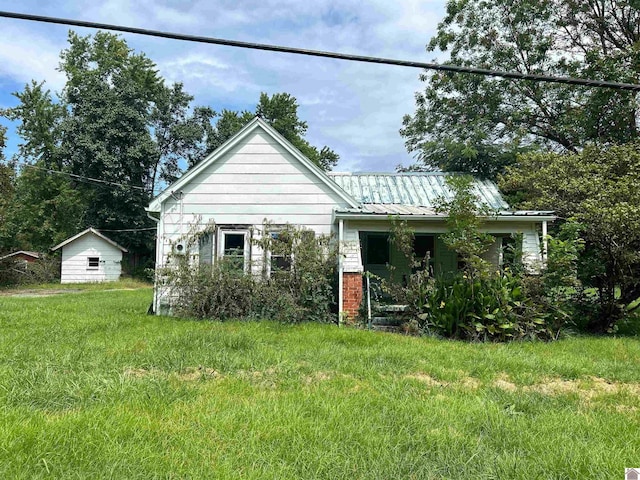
(598, 188)
(464, 226)
(480, 124)
(116, 121)
(6, 190)
(45, 208)
(281, 112)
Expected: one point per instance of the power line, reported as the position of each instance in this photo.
(326, 54)
(127, 229)
(81, 177)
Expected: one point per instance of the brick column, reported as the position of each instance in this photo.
(352, 293)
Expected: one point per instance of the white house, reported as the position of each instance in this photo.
(258, 175)
(89, 257)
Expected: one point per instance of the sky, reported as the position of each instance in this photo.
(356, 109)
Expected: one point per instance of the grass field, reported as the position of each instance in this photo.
(91, 387)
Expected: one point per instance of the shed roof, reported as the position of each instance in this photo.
(418, 189)
(85, 232)
(35, 255)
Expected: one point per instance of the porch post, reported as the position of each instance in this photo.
(544, 241)
(340, 269)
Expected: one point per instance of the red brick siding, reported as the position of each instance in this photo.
(352, 293)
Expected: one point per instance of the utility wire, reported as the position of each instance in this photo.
(126, 229)
(80, 177)
(94, 180)
(326, 54)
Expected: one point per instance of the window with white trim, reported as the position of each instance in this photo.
(235, 248)
(93, 263)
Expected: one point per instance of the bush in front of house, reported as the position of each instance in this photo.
(481, 301)
(299, 286)
(498, 307)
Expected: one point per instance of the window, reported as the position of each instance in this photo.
(423, 245)
(93, 263)
(280, 255)
(235, 248)
(377, 249)
(205, 249)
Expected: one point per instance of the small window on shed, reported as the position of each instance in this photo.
(93, 263)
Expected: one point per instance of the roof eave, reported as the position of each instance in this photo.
(495, 218)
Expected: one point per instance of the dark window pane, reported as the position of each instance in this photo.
(423, 244)
(280, 263)
(377, 249)
(234, 244)
(93, 262)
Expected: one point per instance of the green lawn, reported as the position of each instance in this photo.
(91, 387)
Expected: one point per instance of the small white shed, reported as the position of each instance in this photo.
(89, 257)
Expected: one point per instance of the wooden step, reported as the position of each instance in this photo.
(388, 321)
(387, 328)
(392, 308)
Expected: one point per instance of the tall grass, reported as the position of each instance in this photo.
(91, 387)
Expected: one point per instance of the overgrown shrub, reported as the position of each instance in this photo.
(481, 301)
(19, 272)
(495, 307)
(299, 288)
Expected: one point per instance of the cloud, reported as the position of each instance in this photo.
(26, 56)
(356, 109)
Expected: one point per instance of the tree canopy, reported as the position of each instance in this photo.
(281, 112)
(479, 124)
(598, 188)
(115, 120)
(6, 184)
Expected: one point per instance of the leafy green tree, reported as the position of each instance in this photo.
(109, 93)
(480, 124)
(598, 188)
(281, 112)
(46, 208)
(6, 190)
(464, 221)
(116, 120)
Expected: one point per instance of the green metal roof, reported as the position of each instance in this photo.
(415, 189)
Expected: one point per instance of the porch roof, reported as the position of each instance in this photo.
(383, 210)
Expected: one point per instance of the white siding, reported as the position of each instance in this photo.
(531, 252)
(75, 260)
(257, 180)
(352, 262)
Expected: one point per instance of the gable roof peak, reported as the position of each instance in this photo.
(256, 122)
(83, 233)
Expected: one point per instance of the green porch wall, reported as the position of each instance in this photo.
(444, 261)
